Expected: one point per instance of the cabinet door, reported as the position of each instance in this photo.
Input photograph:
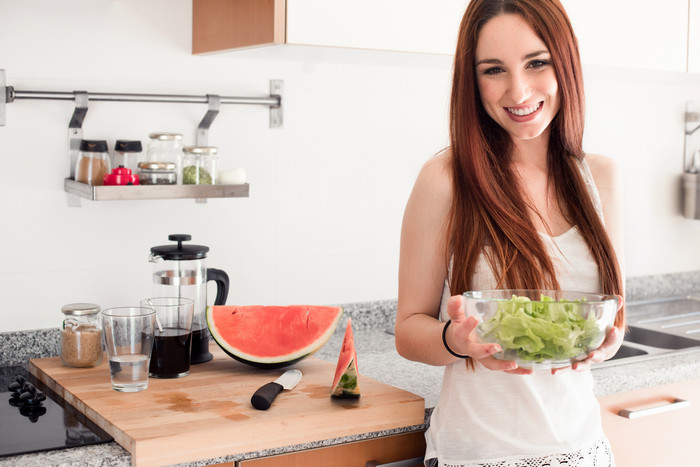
(219, 25)
(694, 36)
(668, 438)
(382, 450)
(398, 25)
(647, 34)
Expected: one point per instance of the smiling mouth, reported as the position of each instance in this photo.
(523, 111)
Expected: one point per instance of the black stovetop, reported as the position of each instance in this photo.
(51, 425)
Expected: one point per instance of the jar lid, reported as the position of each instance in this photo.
(93, 145)
(165, 136)
(125, 145)
(180, 252)
(152, 165)
(201, 150)
(80, 309)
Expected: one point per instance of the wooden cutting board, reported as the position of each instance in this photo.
(208, 414)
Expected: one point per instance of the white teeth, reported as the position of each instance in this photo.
(524, 110)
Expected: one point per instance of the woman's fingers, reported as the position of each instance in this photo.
(462, 339)
(508, 366)
(607, 350)
(455, 309)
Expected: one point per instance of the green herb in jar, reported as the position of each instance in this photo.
(192, 176)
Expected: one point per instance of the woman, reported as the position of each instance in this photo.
(512, 203)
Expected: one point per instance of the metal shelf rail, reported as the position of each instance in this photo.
(9, 94)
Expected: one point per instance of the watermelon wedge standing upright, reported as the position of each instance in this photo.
(346, 383)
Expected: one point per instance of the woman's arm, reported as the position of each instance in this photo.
(422, 273)
(423, 266)
(608, 179)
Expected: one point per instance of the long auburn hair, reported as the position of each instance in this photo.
(488, 208)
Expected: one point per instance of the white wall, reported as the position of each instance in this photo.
(327, 191)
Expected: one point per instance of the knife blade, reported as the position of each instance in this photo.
(262, 398)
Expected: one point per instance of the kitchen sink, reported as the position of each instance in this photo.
(658, 328)
(659, 339)
(626, 351)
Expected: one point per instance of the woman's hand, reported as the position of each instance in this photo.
(462, 339)
(607, 349)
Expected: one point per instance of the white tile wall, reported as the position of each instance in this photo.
(327, 191)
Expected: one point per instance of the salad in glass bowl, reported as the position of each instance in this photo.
(542, 328)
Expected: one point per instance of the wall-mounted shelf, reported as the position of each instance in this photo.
(76, 190)
(138, 192)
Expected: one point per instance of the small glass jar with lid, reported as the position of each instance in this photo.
(127, 154)
(165, 147)
(199, 165)
(93, 162)
(157, 173)
(81, 335)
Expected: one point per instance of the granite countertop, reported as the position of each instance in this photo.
(377, 359)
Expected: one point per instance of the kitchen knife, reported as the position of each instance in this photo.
(263, 397)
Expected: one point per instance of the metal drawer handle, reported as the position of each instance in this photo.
(403, 463)
(675, 405)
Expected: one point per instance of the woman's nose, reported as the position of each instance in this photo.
(520, 88)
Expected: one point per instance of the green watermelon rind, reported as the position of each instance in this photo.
(348, 385)
(271, 363)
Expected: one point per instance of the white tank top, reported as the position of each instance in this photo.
(491, 416)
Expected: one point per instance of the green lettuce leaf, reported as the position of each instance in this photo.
(540, 331)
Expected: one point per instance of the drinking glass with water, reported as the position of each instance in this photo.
(128, 336)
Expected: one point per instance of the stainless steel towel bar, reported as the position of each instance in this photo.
(9, 94)
(12, 94)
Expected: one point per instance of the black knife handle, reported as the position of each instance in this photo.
(263, 397)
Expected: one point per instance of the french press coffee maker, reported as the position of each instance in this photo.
(180, 271)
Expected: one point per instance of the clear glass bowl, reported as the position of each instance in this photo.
(542, 328)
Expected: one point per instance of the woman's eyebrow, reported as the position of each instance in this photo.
(496, 61)
(489, 61)
(535, 54)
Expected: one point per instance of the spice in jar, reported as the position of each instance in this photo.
(157, 173)
(199, 165)
(81, 335)
(93, 162)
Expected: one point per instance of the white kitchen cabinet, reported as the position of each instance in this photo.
(395, 25)
(645, 34)
(399, 25)
(666, 435)
(694, 36)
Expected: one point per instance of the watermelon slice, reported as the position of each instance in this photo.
(346, 383)
(272, 336)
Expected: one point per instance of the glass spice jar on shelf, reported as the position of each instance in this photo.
(81, 335)
(199, 165)
(93, 162)
(127, 154)
(165, 147)
(157, 173)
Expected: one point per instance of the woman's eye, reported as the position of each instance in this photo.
(538, 63)
(492, 71)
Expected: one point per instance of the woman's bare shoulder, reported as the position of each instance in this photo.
(605, 170)
(435, 175)
(431, 198)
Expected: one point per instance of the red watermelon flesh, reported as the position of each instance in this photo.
(272, 336)
(346, 383)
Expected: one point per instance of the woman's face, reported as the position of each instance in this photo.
(515, 76)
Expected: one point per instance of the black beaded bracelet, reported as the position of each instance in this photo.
(444, 341)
